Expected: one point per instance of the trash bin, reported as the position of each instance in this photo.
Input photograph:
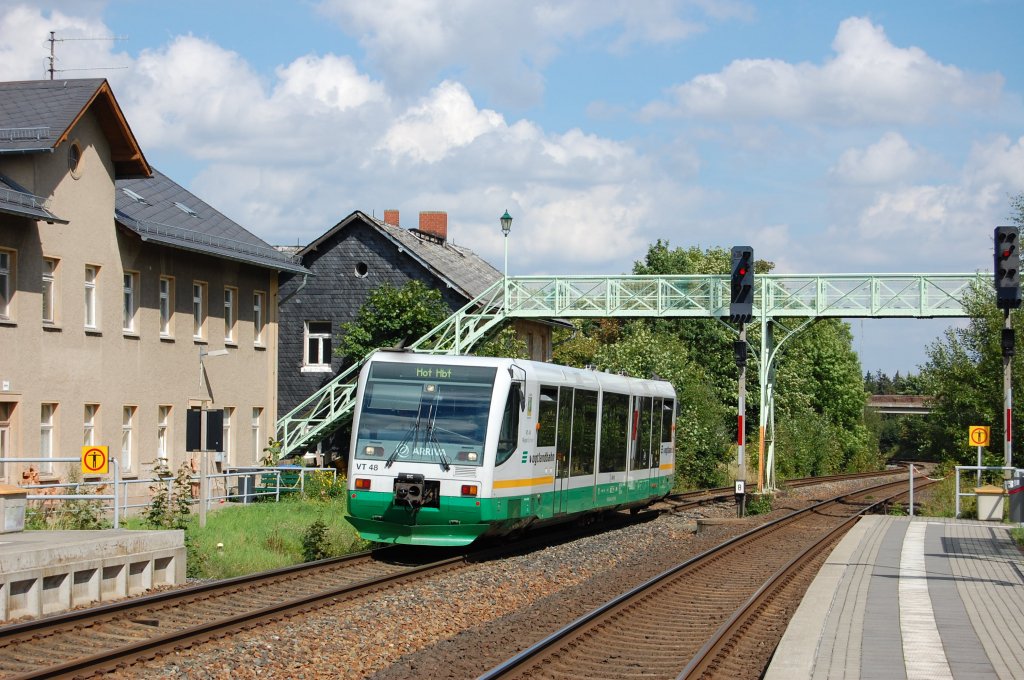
(990, 503)
(246, 491)
(1015, 492)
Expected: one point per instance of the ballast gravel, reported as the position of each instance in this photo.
(482, 616)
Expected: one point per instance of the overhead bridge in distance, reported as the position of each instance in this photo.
(900, 404)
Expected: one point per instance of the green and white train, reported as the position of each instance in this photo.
(448, 449)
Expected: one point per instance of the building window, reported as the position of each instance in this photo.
(127, 435)
(6, 283)
(89, 424)
(75, 159)
(163, 433)
(91, 273)
(5, 434)
(46, 424)
(230, 295)
(229, 413)
(49, 288)
(257, 448)
(131, 292)
(166, 306)
(257, 317)
(318, 345)
(198, 309)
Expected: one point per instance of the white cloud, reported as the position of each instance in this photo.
(889, 160)
(869, 80)
(502, 46)
(447, 120)
(947, 226)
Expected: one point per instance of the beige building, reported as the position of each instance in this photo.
(124, 299)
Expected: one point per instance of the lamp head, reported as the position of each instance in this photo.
(506, 223)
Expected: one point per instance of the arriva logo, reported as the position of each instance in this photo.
(424, 452)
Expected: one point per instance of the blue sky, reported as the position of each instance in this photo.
(834, 137)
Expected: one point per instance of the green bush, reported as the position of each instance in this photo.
(759, 504)
(315, 545)
(170, 508)
(323, 485)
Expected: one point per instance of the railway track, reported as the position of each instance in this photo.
(116, 635)
(689, 499)
(716, 615)
(93, 641)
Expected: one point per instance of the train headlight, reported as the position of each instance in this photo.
(471, 456)
(469, 489)
(374, 451)
(363, 484)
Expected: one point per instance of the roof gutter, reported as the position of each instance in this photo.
(289, 296)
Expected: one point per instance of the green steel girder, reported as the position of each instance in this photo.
(776, 296)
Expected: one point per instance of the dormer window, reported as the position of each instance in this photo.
(185, 209)
(134, 196)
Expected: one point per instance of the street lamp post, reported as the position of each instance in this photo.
(506, 226)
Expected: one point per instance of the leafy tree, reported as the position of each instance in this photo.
(964, 374)
(391, 316)
(503, 343)
(820, 402)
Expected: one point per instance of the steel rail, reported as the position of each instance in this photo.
(519, 661)
(125, 655)
(715, 648)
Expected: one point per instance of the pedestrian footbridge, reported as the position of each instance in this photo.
(783, 306)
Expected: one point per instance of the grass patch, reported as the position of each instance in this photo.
(1018, 536)
(244, 539)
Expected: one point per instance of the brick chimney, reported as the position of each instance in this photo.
(391, 217)
(434, 223)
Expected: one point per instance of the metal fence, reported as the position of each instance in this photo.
(241, 485)
(979, 469)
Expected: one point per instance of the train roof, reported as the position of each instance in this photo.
(585, 378)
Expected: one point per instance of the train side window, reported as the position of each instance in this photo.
(614, 432)
(563, 444)
(584, 432)
(667, 418)
(546, 416)
(508, 436)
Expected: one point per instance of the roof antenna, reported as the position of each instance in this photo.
(52, 59)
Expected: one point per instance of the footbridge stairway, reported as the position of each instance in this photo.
(783, 305)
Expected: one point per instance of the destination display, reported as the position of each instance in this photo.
(478, 375)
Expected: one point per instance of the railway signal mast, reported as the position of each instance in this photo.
(1007, 275)
(741, 310)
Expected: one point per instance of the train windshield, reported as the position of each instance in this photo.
(425, 413)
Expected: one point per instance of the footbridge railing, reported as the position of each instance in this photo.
(776, 296)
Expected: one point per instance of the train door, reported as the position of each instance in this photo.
(640, 464)
(563, 451)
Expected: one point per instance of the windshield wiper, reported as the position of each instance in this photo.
(432, 440)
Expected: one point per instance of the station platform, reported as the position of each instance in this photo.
(45, 572)
(903, 597)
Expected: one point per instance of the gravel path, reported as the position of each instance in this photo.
(464, 627)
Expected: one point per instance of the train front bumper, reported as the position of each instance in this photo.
(441, 535)
(457, 520)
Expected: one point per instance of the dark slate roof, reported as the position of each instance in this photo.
(38, 115)
(14, 200)
(161, 211)
(461, 268)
